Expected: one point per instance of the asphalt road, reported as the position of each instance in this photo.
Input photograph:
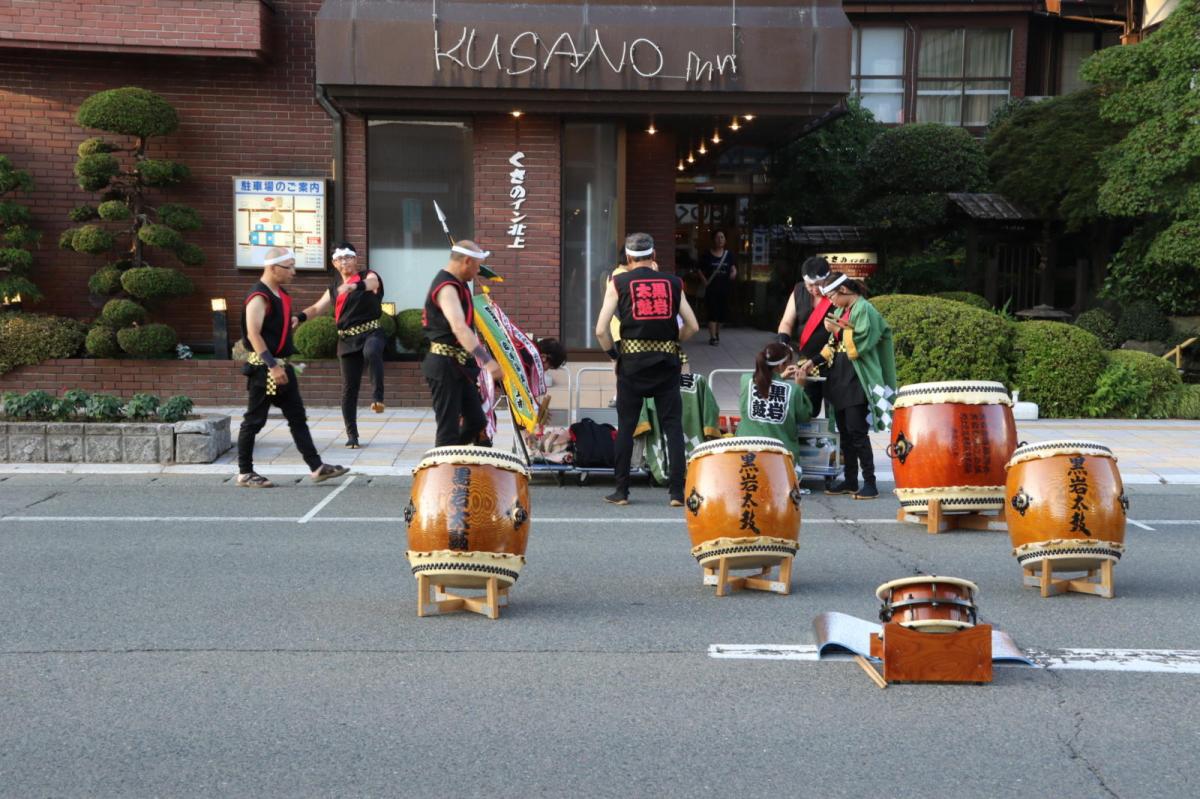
(173, 636)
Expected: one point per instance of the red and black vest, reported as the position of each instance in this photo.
(437, 327)
(355, 307)
(810, 336)
(277, 324)
(648, 304)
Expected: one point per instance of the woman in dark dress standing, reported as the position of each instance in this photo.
(719, 273)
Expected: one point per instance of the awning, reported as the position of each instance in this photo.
(995, 207)
(589, 56)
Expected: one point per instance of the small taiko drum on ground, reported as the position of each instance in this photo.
(929, 603)
(1066, 504)
(743, 502)
(468, 517)
(950, 442)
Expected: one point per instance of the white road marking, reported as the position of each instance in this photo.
(332, 495)
(1162, 661)
(1141, 525)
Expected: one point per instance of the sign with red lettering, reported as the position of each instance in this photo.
(651, 299)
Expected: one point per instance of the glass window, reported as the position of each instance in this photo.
(589, 226)
(878, 71)
(963, 74)
(1076, 48)
(411, 164)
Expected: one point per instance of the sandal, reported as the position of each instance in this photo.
(328, 472)
(253, 480)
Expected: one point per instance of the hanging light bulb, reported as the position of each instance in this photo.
(702, 149)
(748, 117)
(734, 125)
(652, 130)
(716, 139)
(680, 167)
(691, 159)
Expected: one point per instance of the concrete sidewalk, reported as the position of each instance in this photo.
(1148, 451)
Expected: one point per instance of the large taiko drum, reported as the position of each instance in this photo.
(743, 502)
(468, 517)
(929, 603)
(950, 442)
(1066, 504)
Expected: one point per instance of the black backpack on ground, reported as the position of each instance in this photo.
(594, 444)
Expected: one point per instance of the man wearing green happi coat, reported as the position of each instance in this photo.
(862, 380)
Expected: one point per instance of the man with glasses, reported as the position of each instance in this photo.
(270, 380)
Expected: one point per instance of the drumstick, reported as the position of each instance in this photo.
(870, 670)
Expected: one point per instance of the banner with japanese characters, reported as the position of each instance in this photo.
(279, 212)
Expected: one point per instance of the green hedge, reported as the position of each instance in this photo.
(128, 110)
(154, 283)
(122, 313)
(27, 339)
(387, 323)
(1161, 381)
(1187, 402)
(317, 338)
(969, 297)
(77, 405)
(408, 329)
(101, 342)
(1142, 320)
(1057, 366)
(939, 340)
(1101, 324)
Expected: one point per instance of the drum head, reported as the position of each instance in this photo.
(928, 579)
(1050, 449)
(482, 456)
(962, 392)
(739, 444)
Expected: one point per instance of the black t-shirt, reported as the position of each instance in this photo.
(717, 267)
(277, 324)
(434, 322)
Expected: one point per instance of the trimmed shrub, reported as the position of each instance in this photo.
(409, 330)
(152, 283)
(970, 298)
(317, 338)
(1143, 320)
(90, 239)
(180, 217)
(1161, 379)
(147, 341)
(106, 281)
(387, 323)
(122, 313)
(94, 145)
(1056, 365)
(95, 171)
(129, 110)
(1100, 323)
(190, 254)
(113, 211)
(160, 236)
(157, 172)
(938, 340)
(79, 214)
(26, 339)
(1187, 401)
(101, 342)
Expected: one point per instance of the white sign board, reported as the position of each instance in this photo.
(279, 212)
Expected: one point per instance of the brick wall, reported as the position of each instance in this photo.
(530, 293)
(650, 190)
(234, 28)
(206, 382)
(237, 117)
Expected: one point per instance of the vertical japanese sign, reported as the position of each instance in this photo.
(518, 196)
(279, 212)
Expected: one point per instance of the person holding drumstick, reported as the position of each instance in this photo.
(802, 324)
(862, 379)
(772, 400)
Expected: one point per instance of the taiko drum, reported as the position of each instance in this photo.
(743, 502)
(950, 442)
(929, 603)
(468, 517)
(1065, 504)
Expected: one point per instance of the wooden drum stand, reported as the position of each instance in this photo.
(937, 521)
(434, 599)
(720, 577)
(1097, 581)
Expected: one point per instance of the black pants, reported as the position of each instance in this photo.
(287, 399)
(455, 396)
(816, 392)
(352, 363)
(661, 383)
(856, 442)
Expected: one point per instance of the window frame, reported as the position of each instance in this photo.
(905, 78)
(962, 79)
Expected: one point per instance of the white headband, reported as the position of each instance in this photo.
(478, 255)
(342, 252)
(288, 255)
(811, 280)
(639, 253)
(776, 363)
(829, 289)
